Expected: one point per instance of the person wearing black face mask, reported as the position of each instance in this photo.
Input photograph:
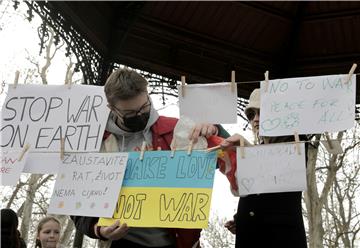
(133, 120)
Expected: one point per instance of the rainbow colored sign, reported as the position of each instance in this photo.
(161, 191)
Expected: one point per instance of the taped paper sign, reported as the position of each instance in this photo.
(271, 168)
(41, 115)
(307, 105)
(161, 191)
(209, 103)
(88, 184)
(11, 167)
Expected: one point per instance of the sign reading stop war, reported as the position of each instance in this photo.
(40, 115)
(161, 191)
(307, 105)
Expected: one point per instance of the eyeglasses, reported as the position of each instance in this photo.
(131, 113)
(251, 113)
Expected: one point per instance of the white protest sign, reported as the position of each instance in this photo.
(41, 115)
(11, 167)
(42, 163)
(271, 168)
(307, 105)
(88, 184)
(209, 103)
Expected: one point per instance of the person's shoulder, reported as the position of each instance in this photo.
(167, 119)
(164, 125)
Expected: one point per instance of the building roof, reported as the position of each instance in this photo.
(206, 40)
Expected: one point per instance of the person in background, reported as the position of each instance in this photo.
(271, 219)
(133, 120)
(10, 236)
(48, 233)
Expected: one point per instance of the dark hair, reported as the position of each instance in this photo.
(40, 225)
(10, 236)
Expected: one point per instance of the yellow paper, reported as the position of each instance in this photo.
(162, 207)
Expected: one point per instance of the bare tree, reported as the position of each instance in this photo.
(216, 235)
(330, 195)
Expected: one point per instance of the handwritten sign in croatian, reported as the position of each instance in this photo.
(41, 115)
(271, 168)
(88, 184)
(161, 191)
(307, 105)
(209, 103)
(11, 167)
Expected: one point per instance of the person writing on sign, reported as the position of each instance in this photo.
(271, 219)
(48, 233)
(133, 119)
(10, 236)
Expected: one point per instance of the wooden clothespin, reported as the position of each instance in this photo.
(233, 84)
(191, 144)
(328, 140)
(16, 80)
(24, 150)
(142, 151)
(351, 72)
(62, 148)
(297, 142)
(266, 85)
(183, 86)
(172, 154)
(242, 147)
(214, 148)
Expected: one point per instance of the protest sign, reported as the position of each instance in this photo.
(209, 103)
(161, 191)
(41, 115)
(11, 167)
(307, 105)
(42, 163)
(88, 184)
(271, 168)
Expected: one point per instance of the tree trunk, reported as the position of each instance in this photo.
(28, 206)
(313, 206)
(67, 229)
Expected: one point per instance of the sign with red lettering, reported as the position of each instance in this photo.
(11, 167)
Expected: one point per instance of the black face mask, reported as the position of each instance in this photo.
(136, 123)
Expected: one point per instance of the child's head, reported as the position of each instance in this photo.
(48, 232)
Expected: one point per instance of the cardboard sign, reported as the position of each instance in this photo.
(209, 103)
(88, 184)
(11, 167)
(307, 105)
(40, 115)
(271, 168)
(161, 191)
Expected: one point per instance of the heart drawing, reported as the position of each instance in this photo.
(269, 124)
(247, 183)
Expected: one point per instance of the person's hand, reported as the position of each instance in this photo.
(115, 231)
(231, 226)
(205, 130)
(234, 140)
